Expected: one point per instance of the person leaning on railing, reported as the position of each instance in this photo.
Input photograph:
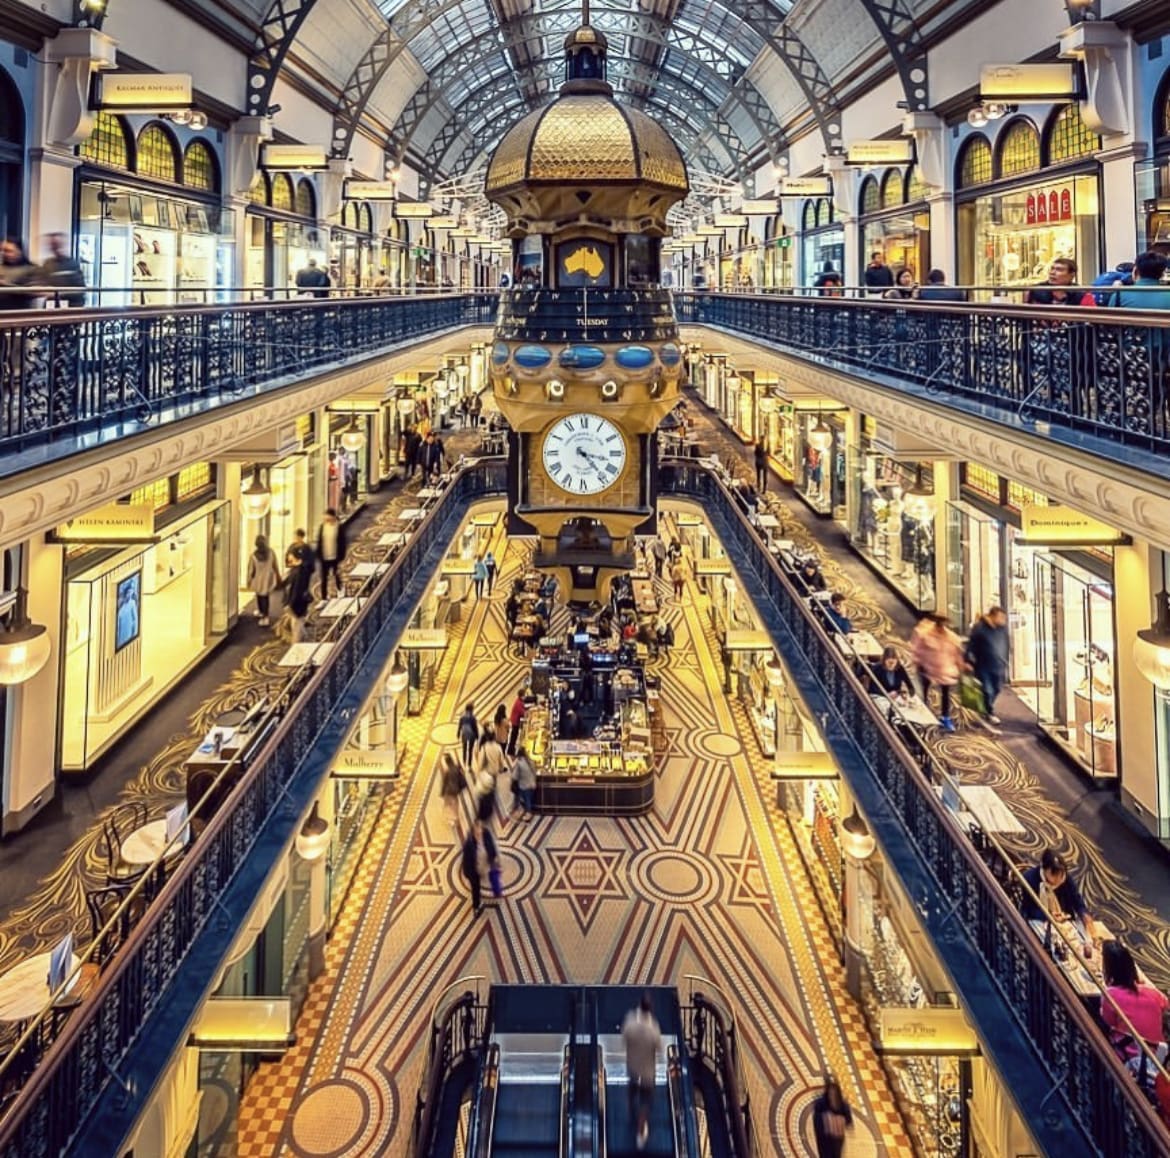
(1060, 289)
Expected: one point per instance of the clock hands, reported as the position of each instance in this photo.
(587, 457)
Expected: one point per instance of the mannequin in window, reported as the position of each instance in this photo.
(870, 498)
(894, 529)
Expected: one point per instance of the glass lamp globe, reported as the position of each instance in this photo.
(24, 648)
(353, 438)
(856, 839)
(313, 840)
(774, 670)
(397, 678)
(920, 504)
(256, 498)
(820, 437)
(1151, 649)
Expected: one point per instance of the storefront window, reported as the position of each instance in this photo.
(109, 143)
(155, 154)
(974, 564)
(820, 448)
(282, 192)
(258, 191)
(893, 189)
(1019, 149)
(916, 189)
(871, 196)
(306, 199)
(981, 480)
(825, 244)
(1152, 179)
(12, 159)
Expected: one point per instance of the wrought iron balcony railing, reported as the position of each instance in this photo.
(1101, 372)
(99, 375)
(1075, 1094)
(586, 315)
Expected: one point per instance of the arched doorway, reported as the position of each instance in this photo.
(11, 158)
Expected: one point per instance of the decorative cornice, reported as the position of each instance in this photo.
(83, 482)
(1132, 501)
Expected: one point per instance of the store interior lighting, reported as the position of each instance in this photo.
(192, 118)
(313, 840)
(24, 646)
(987, 111)
(353, 438)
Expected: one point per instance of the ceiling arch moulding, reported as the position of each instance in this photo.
(529, 30)
(766, 20)
(275, 37)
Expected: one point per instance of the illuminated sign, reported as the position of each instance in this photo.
(764, 207)
(437, 223)
(256, 1023)
(113, 523)
(146, 92)
(365, 764)
(414, 209)
(935, 1030)
(1049, 82)
(1062, 526)
(898, 151)
(370, 190)
(730, 220)
(805, 187)
(296, 157)
(803, 766)
(423, 639)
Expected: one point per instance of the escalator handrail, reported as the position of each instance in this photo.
(678, 1111)
(600, 1144)
(564, 1142)
(483, 1124)
(735, 1110)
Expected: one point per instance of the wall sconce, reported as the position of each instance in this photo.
(192, 118)
(24, 646)
(554, 388)
(985, 112)
(256, 499)
(313, 840)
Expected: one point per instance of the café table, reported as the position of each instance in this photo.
(819, 597)
(389, 539)
(987, 806)
(339, 608)
(912, 710)
(146, 844)
(368, 570)
(300, 654)
(24, 989)
(768, 523)
(862, 644)
(428, 493)
(410, 514)
(1082, 973)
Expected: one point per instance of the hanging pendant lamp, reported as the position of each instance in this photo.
(256, 499)
(24, 646)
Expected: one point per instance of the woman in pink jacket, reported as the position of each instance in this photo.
(938, 653)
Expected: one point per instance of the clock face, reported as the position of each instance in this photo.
(584, 454)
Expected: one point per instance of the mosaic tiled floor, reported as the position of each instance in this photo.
(709, 885)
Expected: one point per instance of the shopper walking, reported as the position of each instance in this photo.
(299, 586)
(330, 551)
(63, 272)
(451, 784)
(988, 653)
(761, 456)
(878, 277)
(500, 725)
(263, 577)
(479, 858)
(491, 761)
(678, 576)
(489, 561)
(479, 574)
(658, 554)
(524, 783)
(411, 448)
(831, 1118)
(515, 722)
(313, 281)
(16, 271)
(468, 729)
(939, 656)
(432, 457)
(643, 1042)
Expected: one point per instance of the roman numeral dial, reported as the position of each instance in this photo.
(584, 454)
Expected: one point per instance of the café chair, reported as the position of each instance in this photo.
(103, 904)
(115, 829)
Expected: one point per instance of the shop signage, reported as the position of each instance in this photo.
(709, 231)
(370, 190)
(227, 1023)
(938, 1031)
(804, 766)
(1049, 205)
(805, 187)
(897, 151)
(1033, 82)
(296, 157)
(145, 92)
(730, 220)
(1063, 527)
(113, 523)
(759, 207)
(414, 209)
(438, 223)
(365, 764)
(423, 639)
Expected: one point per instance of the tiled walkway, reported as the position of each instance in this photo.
(1122, 874)
(709, 884)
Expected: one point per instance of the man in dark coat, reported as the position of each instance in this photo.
(479, 857)
(988, 653)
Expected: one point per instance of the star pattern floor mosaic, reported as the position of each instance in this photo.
(708, 885)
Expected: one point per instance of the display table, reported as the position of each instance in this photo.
(146, 844)
(24, 989)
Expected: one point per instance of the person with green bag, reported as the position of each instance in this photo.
(988, 653)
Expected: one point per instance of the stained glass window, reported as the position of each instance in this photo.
(871, 196)
(975, 163)
(282, 192)
(366, 220)
(892, 189)
(1164, 117)
(199, 169)
(1019, 149)
(1069, 137)
(916, 189)
(108, 143)
(193, 479)
(824, 212)
(1018, 495)
(258, 191)
(156, 154)
(981, 480)
(306, 198)
(809, 221)
(156, 495)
